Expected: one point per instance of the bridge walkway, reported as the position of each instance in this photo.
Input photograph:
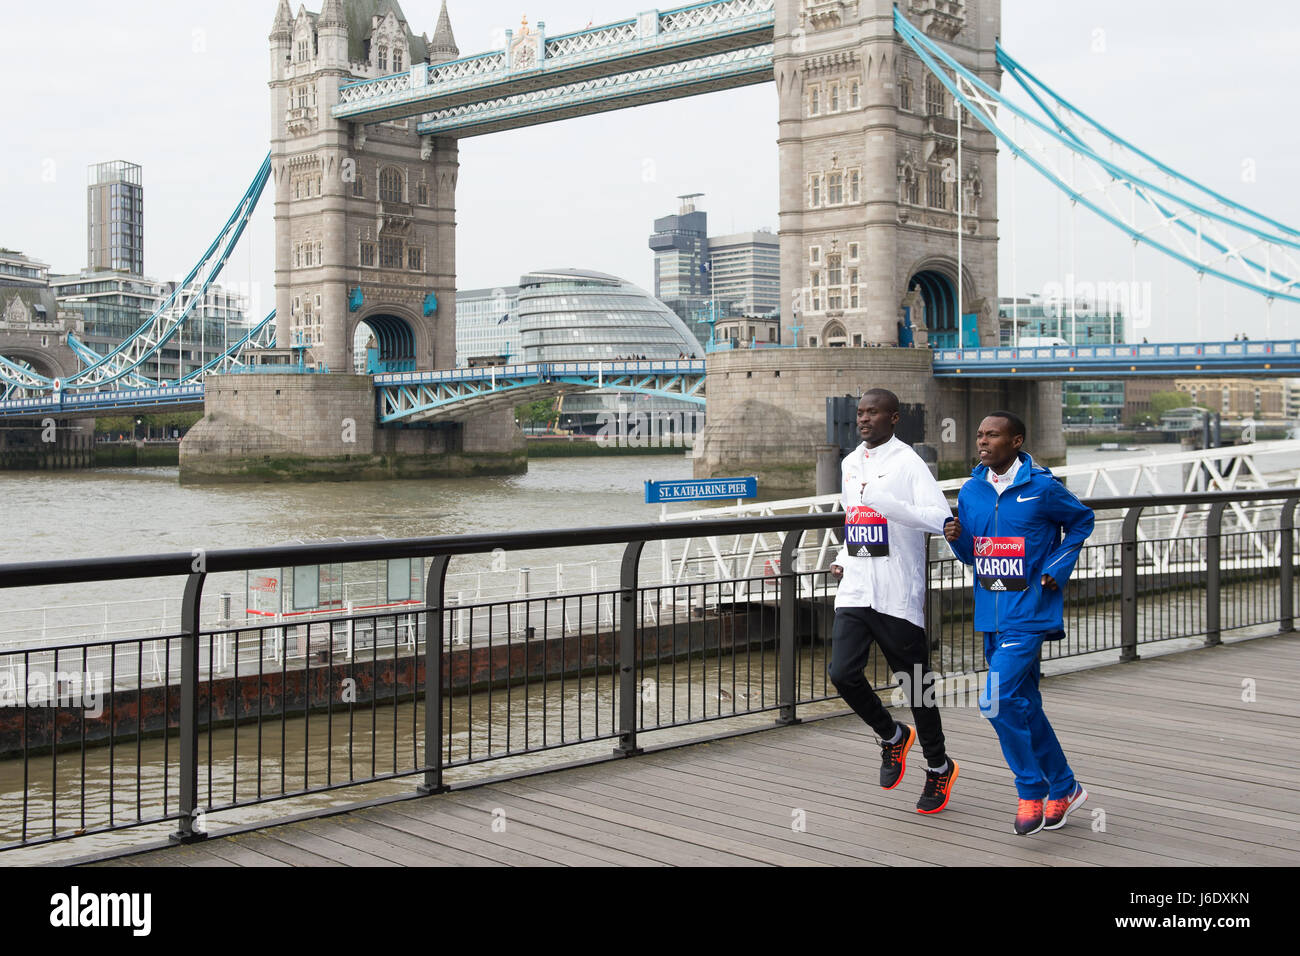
(1180, 771)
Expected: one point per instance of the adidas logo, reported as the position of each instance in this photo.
(997, 585)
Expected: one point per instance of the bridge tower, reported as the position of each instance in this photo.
(364, 235)
(869, 186)
(364, 215)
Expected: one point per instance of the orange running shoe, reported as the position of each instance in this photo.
(1029, 817)
(1055, 811)
(938, 788)
(893, 757)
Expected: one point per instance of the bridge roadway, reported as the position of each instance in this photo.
(1179, 769)
(454, 393)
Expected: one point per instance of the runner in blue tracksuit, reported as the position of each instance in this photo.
(1010, 520)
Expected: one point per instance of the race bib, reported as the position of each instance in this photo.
(1000, 564)
(866, 532)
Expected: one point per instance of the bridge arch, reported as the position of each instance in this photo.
(396, 337)
(46, 363)
(935, 280)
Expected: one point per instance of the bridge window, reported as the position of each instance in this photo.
(835, 189)
(390, 253)
(935, 103)
(397, 61)
(816, 198)
(816, 291)
(853, 252)
(935, 189)
(320, 253)
(855, 98)
(834, 270)
(302, 51)
(855, 186)
(381, 59)
(835, 97)
(853, 288)
(911, 188)
(422, 193)
(390, 185)
(367, 253)
(905, 95)
(415, 259)
(815, 101)
(815, 254)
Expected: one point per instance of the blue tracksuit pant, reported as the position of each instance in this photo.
(1014, 707)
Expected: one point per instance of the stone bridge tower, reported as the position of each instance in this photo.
(364, 235)
(869, 177)
(364, 215)
(869, 191)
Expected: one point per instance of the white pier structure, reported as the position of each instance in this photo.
(1271, 464)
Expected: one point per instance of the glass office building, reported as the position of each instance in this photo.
(114, 306)
(681, 247)
(576, 315)
(1088, 323)
(487, 326)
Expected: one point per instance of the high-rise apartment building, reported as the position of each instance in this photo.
(115, 218)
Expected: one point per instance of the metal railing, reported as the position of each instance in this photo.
(210, 719)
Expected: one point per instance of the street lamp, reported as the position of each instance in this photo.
(136, 433)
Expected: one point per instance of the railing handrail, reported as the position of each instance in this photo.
(82, 570)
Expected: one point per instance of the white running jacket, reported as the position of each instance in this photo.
(892, 482)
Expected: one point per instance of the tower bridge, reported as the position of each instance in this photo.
(890, 117)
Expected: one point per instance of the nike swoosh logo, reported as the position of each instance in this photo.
(1013, 644)
(1034, 498)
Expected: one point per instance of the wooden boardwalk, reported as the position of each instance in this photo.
(1180, 771)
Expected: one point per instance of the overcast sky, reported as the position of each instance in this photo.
(184, 94)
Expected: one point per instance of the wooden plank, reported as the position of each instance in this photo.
(476, 824)
(592, 829)
(308, 836)
(394, 819)
(236, 852)
(669, 826)
(268, 842)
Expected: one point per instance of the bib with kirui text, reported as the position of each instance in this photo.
(866, 532)
(1000, 564)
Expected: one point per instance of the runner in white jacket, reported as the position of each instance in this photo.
(890, 502)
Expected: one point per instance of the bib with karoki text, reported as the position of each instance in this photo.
(1000, 564)
(866, 532)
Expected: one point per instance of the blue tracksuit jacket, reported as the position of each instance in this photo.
(1016, 538)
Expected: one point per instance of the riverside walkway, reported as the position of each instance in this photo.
(1182, 767)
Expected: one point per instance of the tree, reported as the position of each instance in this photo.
(1162, 402)
(539, 412)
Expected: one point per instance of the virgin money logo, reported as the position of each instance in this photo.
(989, 547)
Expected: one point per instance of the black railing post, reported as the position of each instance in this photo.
(188, 781)
(787, 645)
(1213, 573)
(1286, 566)
(628, 691)
(434, 601)
(1128, 576)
